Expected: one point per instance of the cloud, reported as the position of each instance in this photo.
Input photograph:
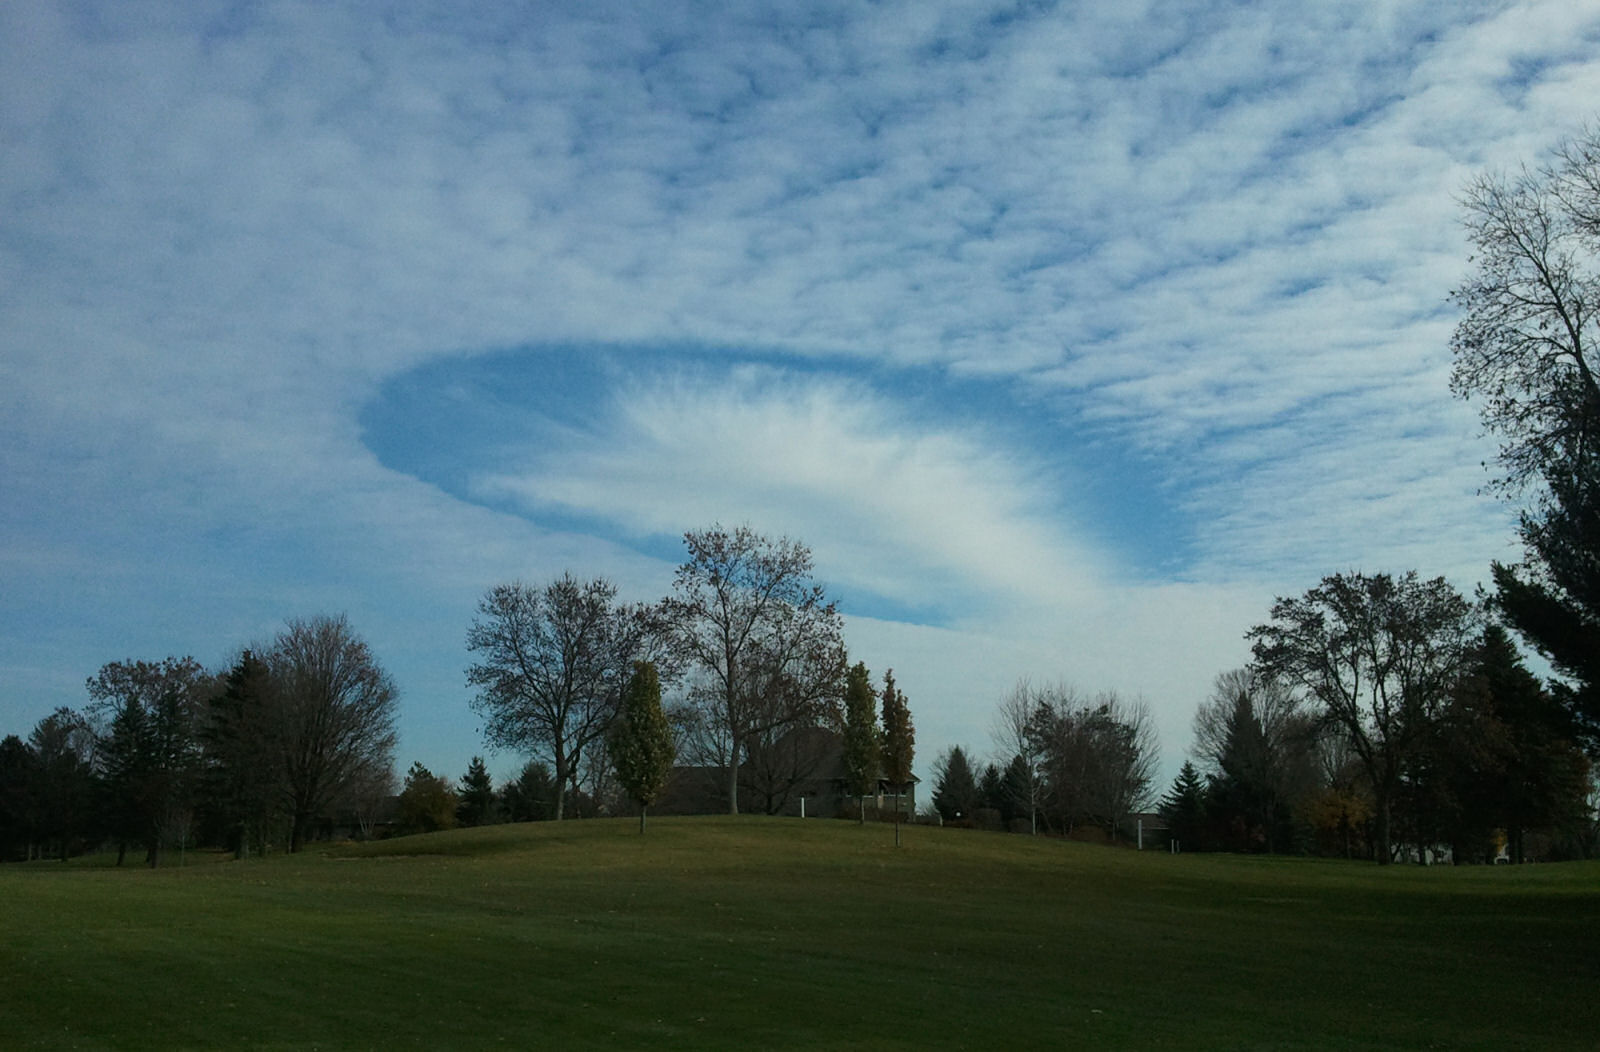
(904, 509)
(1202, 255)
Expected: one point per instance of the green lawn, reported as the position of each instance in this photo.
(772, 933)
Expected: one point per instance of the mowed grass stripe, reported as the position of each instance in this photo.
(749, 932)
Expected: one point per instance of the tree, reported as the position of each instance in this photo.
(551, 665)
(149, 755)
(63, 747)
(1380, 655)
(1245, 803)
(1256, 742)
(641, 745)
(1014, 720)
(1097, 756)
(334, 717)
(19, 778)
(1529, 772)
(245, 772)
(784, 761)
(1184, 809)
(767, 643)
(955, 792)
(1525, 349)
(427, 803)
(475, 795)
(862, 744)
(899, 745)
(530, 797)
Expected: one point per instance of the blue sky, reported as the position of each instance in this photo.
(1066, 335)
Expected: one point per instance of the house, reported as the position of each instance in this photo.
(798, 772)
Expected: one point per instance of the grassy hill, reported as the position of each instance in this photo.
(769, 933)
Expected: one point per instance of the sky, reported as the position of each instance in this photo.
(1066, 336)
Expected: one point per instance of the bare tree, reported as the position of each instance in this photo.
(551, 669)
(1282, 712)
(768, 645)
(1012, 720)
(334, 719)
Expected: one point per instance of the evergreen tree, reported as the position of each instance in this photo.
(1184, 809)
(243, 778)
(1245, 806)
(1541, 775)
(427, 803)
(150, 756)
(530, 797)
(475, 795)
(1019, 787)
(955, 793)
(641, 743)
(862, 744)
(992, 794)
(19, 778)
(899, 745)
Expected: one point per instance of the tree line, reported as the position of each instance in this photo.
(748, 643)
(1381, 710)
(167, 754)
(1385, 715)
(1378, 710)
(297, 737)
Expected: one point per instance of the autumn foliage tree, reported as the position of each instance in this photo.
(641, 742)
(862, 745)
(898, 749)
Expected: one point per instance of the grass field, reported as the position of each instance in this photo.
(770, 933)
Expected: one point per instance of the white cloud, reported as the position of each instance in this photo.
(903, 508)
(1220, 240)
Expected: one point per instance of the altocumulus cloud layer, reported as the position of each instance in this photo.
(1066, 337)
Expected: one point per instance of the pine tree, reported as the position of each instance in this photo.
(243, 782)
(641, 744)
(955, 794)
(862, 745)
(1243, 796)
(1184, 808)
(530, 796)
(899, 744)
(476, 795)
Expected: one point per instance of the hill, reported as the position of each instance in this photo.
(771, 933)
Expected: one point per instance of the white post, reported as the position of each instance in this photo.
(802, 807)
(1141, 834)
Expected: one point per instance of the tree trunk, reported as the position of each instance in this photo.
(733, 785)
(561, 779)
(1384, 857)
(641, 819)
(861, 798)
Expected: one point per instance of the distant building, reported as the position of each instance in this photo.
(803, 764)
